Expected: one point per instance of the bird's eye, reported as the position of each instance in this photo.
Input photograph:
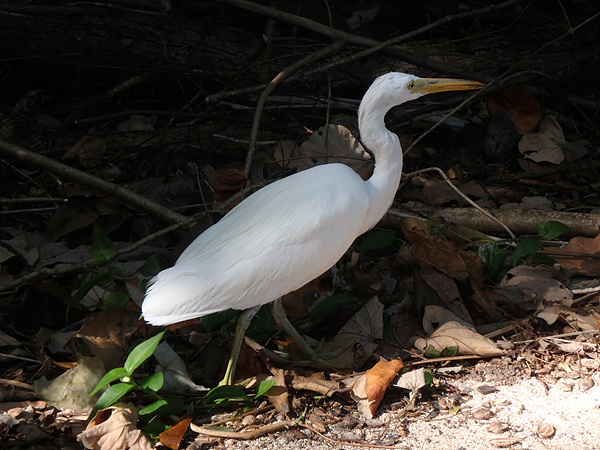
(411, 85)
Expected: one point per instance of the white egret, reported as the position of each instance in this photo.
(293, 230)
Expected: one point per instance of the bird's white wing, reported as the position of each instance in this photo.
(275, 241)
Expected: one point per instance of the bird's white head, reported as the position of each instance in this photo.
(395, 88)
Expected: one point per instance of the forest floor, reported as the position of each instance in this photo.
(124, 133)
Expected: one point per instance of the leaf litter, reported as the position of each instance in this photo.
(537, 301)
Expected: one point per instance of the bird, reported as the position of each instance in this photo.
(293, 230)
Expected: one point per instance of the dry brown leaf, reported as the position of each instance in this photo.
(72, 388)
(107, 335)
(572, 316)
(172, 437)
(338, 143)
(435, 315)
(229, 183)
(537, 283)
(316, 383)
(447, 290)
(469, 342)
(522, 107)
(580, 256)
(546, 145)
(439, 253)
(115, 429)
(368, 389)
(362, 330)
(278, 394)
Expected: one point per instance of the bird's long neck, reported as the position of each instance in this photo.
(386, 148)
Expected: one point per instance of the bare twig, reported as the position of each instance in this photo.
(281, 76)
(467, 199)
(142, 203)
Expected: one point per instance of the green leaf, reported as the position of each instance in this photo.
(115, 300)
(449, 351)
(551, 230)
(153, 382)
(112, 395)
(84, 289)
(428, 377)
(102, 247)
(153, 407)
(263, 387)
(332, 304)
(525, 248)
(376, 240)
(142, 352)
(431, 352)
(112, 375)
(222, 394)
(151, 266)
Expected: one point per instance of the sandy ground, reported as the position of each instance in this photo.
(513, 412)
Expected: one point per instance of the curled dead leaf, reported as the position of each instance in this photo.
(115, 428)
(172, 437)
(580, 256)
(545, 145)
(369, 389)
(536, 283)
(437, 252)
(468, 341)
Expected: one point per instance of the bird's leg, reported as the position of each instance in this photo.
(240, 329)
(282, 320)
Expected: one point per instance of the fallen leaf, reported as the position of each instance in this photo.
(521, 106)
(537, 284)
(412, 381)
(437, 252)
(315, 383)
(172, 437)
(446, 289)
(71, 389)
(545, 145)
(369, 389)
(435, 315)
(114, 428)
(229, 183)
(362, 330)
(580, 256)
(278, 394)
(107, 335)
(331, 143)
(176, 378)
(572, 316)
(468, 341)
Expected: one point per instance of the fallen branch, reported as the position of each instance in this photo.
(520, 221)
(131, 198)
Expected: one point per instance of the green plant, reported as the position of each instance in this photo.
(150, 384)
(497, 254)
(103, 251)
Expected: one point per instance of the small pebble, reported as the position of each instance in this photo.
(483, 414)
(564, 386)
(585, 383)
(497, 427)
(248, 420)
(486, 389)
(545, 430)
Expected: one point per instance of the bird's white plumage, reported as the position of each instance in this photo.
(290, 231)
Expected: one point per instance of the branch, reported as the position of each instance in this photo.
(142, 203)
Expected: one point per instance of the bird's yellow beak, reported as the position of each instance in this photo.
(431, 85)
